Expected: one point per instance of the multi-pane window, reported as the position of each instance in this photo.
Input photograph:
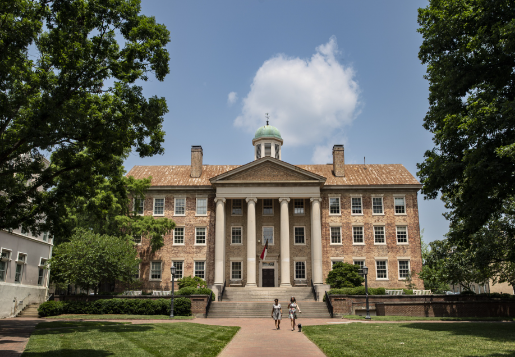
(237, 209)
(236, 270)
(400, 205)
(200, 235)
(236, 235)
(268, 149)
(200, 269)
(336, 235)
(377, 205)
(136, 238)
(258, 151)
(403, 269)
(379, 235)
(136, 275)
(3, 270)
(41, 276)
(202, 206)
(356, 205)
(268, 207)
(300, 270)
(334, 205)
(159, 206)
(268, 235)
(357, 235)
(298, 206)
(138, 205)
(381, 269)
(179, 269)
(277, 151)
(45, 236)
(299, 235)
(18, 273)
(402, 234)
(6, 255)
(155, 270)
(180, 206)
(178, 235)
(22, 258)
(361, 264)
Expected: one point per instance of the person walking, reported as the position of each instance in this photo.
(292, 312)
(277, 314)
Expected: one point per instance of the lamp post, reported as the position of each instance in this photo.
(365, 272)
(172, 270)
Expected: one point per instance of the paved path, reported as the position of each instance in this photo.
(14, 335)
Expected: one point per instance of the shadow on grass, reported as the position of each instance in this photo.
(66, 327)
(69, 352)
(499, 332)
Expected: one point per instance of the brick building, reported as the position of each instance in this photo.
(311, 216)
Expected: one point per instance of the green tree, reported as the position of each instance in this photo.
(432, 273)
(469, 49)
(69, 88)
(90, 259)
(344, 275)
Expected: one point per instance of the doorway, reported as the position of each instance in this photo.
(268, 278)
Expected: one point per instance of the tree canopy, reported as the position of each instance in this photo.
(90, 259)
(69, 75)
(469, 49)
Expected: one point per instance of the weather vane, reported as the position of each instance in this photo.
(267, 118)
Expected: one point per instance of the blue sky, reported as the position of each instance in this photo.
(327, 72)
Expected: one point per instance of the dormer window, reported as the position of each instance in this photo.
(268, 149)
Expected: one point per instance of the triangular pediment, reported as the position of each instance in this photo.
(268, 170)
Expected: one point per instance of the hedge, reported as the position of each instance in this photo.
(189, 290)
(181, 307)
(360, 290)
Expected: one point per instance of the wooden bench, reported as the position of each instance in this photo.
(394, 292)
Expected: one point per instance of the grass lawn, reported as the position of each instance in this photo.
(117, 317)
(104, 338)
(414, 339)
(415, 318)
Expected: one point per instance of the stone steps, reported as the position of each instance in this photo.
(230, 309)
(30, 311)
(267, 294)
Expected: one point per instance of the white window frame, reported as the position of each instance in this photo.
(394, 209)
(386, 265)
(195, 268)
(339, 205)
(196, 207)
(263, 235)
(272, 201)
(362, 232)
(176, 276)
(43, 276)
(399, 260)
(6, 266)
(9, 258)
(331, 235)
(336, 260)
(384, 235)
(301, 200)
(241, 270)
(295, 270)
(42, 261)
(183, 235)
(397, 237)
(205, 235)
(21, 265)
(175, 206)
(154, 207)
(360, 205)
(304, 235)
(382, 205)
(151, 270)
(134, 240)
(241, 235)
(135, 209)
(21, 261)
(232, 207)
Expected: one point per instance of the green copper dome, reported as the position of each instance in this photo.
(267, 131)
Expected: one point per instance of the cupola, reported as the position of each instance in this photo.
(267, 142)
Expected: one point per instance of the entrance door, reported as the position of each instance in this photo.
(268, 278)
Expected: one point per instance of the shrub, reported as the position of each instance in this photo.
(189, 290)
(468, 292)
(344, 275)
(191, 281)
(182, 307)
(360, 290)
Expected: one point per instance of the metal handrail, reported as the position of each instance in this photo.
(208, 305)
(313, 290)
(221, 296)
(328, 304)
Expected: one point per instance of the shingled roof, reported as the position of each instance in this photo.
(355, 175)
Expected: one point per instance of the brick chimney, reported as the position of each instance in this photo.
(338, 161)
(196, 161)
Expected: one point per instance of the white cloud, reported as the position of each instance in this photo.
(309, 100)
(231, 98)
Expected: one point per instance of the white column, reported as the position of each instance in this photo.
(316, 241)
(285, 243)
(220, 241)
(251, 242)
